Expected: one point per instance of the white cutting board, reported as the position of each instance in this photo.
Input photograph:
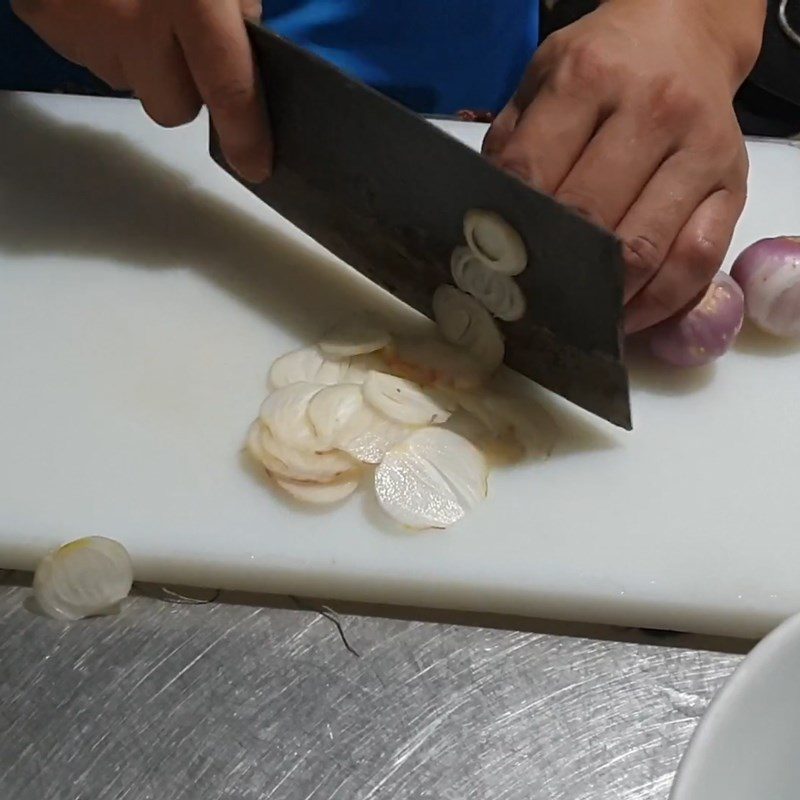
(143, 295)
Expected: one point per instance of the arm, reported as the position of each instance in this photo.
(627, 116)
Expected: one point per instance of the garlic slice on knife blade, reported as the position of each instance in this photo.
(319, 493)
(498, 293)
(84, 578)
(353, 337)
(466, 323)
(431, 479)
(306, 365)
(285, 413)
(404, 401)
(495, 242)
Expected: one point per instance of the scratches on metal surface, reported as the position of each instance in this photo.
(210, 701)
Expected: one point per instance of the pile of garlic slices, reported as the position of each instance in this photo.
(417, 415)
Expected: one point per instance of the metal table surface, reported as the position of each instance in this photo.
(237, 700)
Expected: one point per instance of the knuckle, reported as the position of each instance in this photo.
(701, 257)
(583, 67)
(587, 62)
(671, 102)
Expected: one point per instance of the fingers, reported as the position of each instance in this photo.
(541, 143)
(693, 260)
(159, 75)
(650, 226)
(609, 175)
(548, 137)
(217, 51)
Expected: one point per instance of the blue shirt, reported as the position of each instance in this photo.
(435, 56)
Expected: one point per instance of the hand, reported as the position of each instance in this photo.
(627, 117)
(174, 55)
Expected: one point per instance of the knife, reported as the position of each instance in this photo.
(386, 191)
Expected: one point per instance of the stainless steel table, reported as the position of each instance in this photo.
(175, 701)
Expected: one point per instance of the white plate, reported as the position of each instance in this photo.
(747, 747)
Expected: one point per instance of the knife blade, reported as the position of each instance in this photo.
(386, 191)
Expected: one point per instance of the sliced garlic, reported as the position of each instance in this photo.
(498, 293)
(288, 462)
(320, 493)
(431, 479)
(494, 241)
(353, 337)
(433, 362)
(285, 413)
(370, 435)
(307, 365)
(403, 401)
(331, 412)
(84, 578)
(479, 335)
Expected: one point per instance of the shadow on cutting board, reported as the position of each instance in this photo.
(69, 190)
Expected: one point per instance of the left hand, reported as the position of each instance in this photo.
(627, 117)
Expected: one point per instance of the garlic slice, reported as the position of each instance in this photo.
(495, 242)
(353, 337)
(285, 413)
(320, 493)
(84, 578)
(331, 412)
(306, 365)
(370, 435)
(498, 293)
(431, 479)
(403, 401)
(300, 465)
(479, 335)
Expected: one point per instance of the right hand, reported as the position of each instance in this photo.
(175, 55)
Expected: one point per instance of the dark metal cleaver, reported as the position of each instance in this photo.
(386, 191)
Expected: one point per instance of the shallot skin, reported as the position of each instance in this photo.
(704, 333)
(769, 273)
